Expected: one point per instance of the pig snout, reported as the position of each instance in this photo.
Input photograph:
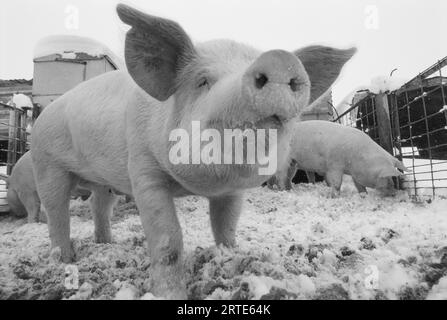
(276, 86)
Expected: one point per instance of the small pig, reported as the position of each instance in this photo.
(114, 131)
(332, 150)
(22, 196)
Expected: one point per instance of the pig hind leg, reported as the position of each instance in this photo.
(224, 214)
(334, 179)
(31, 201)
(15, 205)
(283, 178)
(54, 185)
(272, 182)
(102, 201)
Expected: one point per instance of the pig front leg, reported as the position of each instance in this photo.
(42, 214)
(224, 215)
(163, 234)
(283, 177)
(359, 187)
(334, 179)
(272, 182)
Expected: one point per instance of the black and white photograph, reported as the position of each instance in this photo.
(235, 151)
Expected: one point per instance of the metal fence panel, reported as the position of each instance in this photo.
(412, 127)
(13, 144)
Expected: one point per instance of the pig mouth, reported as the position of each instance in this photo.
(274, 121)
(271, 122)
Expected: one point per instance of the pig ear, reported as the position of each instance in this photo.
(323, 65)
(389, 172)
(155, 50)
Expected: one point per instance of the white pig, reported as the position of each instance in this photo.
(332, 150)
(113, 131)
(23, 199)
(22, 196)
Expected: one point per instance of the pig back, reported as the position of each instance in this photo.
(84, 130)
(319, 145)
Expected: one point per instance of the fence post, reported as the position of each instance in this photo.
(12, 143)
(383, 121)
(394, 121)
(22, 133)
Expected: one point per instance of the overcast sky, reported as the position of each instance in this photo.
(403, 34)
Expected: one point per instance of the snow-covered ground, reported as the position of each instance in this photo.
(291, 245)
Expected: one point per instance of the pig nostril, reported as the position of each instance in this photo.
(294, 84)
(260, 80)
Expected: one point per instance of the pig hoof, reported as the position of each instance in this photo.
(43, 218)
(334, 195)
(33, 219)
(168, 282)
(168, 292)
(58, 255)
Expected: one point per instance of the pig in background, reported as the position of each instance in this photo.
(113, 132)
(333, 150)
(23, 199)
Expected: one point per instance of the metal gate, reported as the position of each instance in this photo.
(411, 124)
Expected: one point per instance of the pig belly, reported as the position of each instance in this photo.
(101, 161)
(311, 160)
(114, 177)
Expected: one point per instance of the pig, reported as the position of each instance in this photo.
(332, 150)
(113, 131)
(22, 196)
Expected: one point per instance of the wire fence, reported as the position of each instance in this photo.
(411, 124)
(363, 116)
(13, 144)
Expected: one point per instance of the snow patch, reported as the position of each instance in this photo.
(300, 244)
(382, 84)
(22, 101)
(439, 291)
(127, 292)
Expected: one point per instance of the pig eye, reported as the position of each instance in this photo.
(203, 82)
